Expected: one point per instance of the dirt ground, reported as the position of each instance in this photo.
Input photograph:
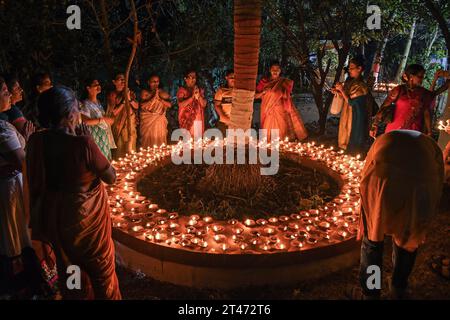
(424, 283)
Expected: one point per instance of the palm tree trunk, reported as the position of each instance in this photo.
(402, 65)
(247, 33)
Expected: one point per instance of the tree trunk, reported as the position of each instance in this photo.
(247, 33)
(402, 65)
(430, 45)
(241, 179)
(376, 63)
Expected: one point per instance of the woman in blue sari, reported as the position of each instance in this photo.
(357, 110)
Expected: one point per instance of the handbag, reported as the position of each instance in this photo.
(337, 104)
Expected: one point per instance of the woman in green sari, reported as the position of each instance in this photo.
(93, 115)
(357, 110)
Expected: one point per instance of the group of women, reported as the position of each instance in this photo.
(55, 160)
(408, 106)
(54, 206)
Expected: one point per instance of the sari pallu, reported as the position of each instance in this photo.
(190, 113)
(278, 110)
(153, 124)
(77, 225)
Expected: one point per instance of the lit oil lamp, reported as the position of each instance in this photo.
(249, 223)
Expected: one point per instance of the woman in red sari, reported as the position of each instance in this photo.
(68, 200)
(412, 103)
(277, 109)
(191, 104)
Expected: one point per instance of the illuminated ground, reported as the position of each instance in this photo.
(424, 283)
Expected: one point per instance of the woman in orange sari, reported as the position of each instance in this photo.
(153, 125)
(277, 109)
(68, 200)
(125, 141)
(191, 104)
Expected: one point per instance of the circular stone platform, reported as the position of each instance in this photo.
(199, 252)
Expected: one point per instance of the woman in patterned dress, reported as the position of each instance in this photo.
(93, 115)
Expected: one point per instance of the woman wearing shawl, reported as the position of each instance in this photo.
(68, 200)
(277, 108)
(354, 123)
(93, 115)
(191, 104)
(153, 125)
(125, 141)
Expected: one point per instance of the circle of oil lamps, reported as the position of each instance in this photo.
(337, 217)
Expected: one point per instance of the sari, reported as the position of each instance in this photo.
(354, 123)
(410, 107)
(125, 142)
(192, 112)
(76, 224)
(101, 132)
(278, 110)
(153, 128)
(401, 186)
(19, 265)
